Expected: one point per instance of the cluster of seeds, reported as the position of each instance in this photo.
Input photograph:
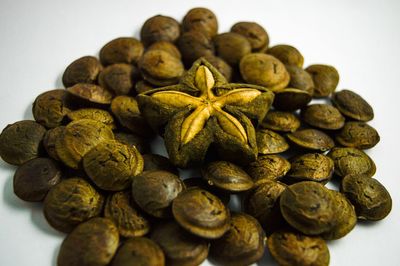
(87, 155)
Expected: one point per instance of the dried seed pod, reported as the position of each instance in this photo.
(300, 79)
(93, 114)
(291, 248)
(50, 139)
(268, 167)
(159, 28)
(263, 204)
(290, 100)
(158, 162)
(89, 95)
(119, 78)
(140, 143)
(193, 45)
(130, 222)
(49, 108)
(351, 161)
(111, 165)
(264, 70)
(309, 207)
(201, 213)
(370, 198)
(82, 70)
(202, 20)
(287, 54)
(121, 50)
(227, 176)
(270, 142)
(21, 142)
(160, 68)
(345, 216)
(353, 105)
(154, 192)
(255, 34)
(232, 47)
(243, 244)
(78, 138)
(311, 167)
(357, 135)
(166, 47)
(127, 112)
(70, 203)
(311, 139)
(35, 178)
(281, 121)
(323, 116)
(180, 247)
(326, 79)
(92, 243)
(139, 251)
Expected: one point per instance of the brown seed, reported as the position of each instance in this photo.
(255, 34)
(227, 176)
(50, 139)
(201, 213)
(154, 192)
(300, 79)
(78, 138)
(118, 78)
(268, 167)
(70, 203)
(202, 20)
(231, 47)
(159, 28)
(345, 216)
(312, 139)
(309, 207)
(264, 70)
(323, 116)
(370, 198)
(311, 167)
(92, 243)
(326, 79)
(119, 210)
(167, 47)
(93, 114)
(290, 248)
(143, 86)
(121, 50)
(161, 68)
(158, 162)
(35, 178)
(21, 141)
(270, 142)
(353, 105)
(111, 165)
(357, 135)
(193, 45)
(127, 112)
(263, 204)
(281, 121)
(200, 182)
(82, 70)
(350, 161)
(224, 68)
(89, 94)
(49, 108)
(140, 143)
(180, 247)
(243, 244)
(287, 54)
(291, 99)
(140, 251)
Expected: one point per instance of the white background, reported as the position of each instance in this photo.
(38, 39)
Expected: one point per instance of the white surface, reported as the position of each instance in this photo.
(360, 38)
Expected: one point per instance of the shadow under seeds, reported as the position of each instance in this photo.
(28, 112)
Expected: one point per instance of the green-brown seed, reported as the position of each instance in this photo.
(121, 50)
(202, 20)
(82, 70)
(357, 135)
(312, 139)
(159, 28)
(300, 79)
(158, 162)
(323, 116)
(270, 142)
(118, 78)
(268, 167)
(353, 105)
(291, 99)
(287, 54)
(281, 121)
(232, 47)
(50, 139)
(350, 161)
(94, 114)
(89, 95)
(311, 167)
(326, 79)
(255, 34)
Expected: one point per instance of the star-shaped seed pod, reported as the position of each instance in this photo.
(204, 109)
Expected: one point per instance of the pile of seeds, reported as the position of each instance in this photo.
(227, 103)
